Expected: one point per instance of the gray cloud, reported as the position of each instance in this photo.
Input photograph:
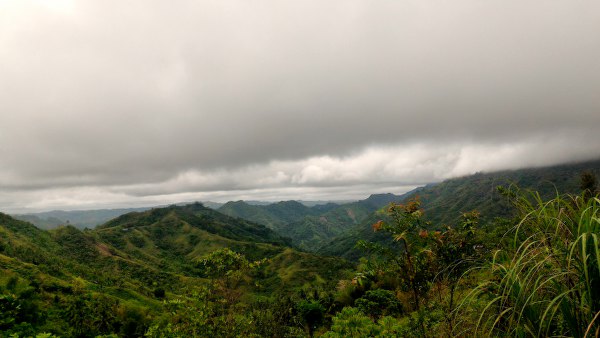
(112, 101)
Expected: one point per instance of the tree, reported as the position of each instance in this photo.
(456, 250)
(588, 184)
(312, 312)
(227, 269)
(351, 322)
(9, 311)
(412, 263)
(379, 302)
(422, 259)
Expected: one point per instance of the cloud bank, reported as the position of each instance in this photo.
(112, 103)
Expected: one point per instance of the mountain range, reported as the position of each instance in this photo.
(309, 227)
(444, 203)
(126, 266)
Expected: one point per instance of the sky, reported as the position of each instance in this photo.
(128, 103)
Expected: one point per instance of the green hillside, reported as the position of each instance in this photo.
(308, 227)
(445, 202)
(197, 216)
(132, 263)
(274, 215)
(312, 232)
(255, 213)
(432, 268)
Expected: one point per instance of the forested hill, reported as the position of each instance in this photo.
(197, 216)
(186, 271)
(445, 202)
(311, 232)
(82, 219)
(309, 227)
(272, 215)
(113, 279)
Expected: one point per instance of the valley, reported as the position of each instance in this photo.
(147, 272)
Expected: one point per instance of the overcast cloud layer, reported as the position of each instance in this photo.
(113, 103)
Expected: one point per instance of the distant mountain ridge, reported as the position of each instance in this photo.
(80, 219)
(308, 227)
(90, 218)
(273, 215)
(444, 203)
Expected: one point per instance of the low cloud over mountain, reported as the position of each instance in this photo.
(112, 103)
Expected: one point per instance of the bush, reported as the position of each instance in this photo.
(351, 322)
(379, 302)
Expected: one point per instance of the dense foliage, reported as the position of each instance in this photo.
(175, 271)
(546, 282)
(309, 228)
(540, 279)
(186, 271)
(446, 202)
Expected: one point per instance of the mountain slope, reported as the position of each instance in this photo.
(24, 241)
(116, 271)
(175, 237)
(198, 216)
(308, 227)
(274, 215)
(253, 213)
(312, 232)
(445, 202)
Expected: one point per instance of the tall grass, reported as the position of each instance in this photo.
(546, 281)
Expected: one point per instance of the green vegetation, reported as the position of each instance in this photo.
(309, 228)
(540, 278)
(185, 271)
(150, 273)
(445, 203)
(547, 281)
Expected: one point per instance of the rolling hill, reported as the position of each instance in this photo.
(445, 202)
(82, 219)
(309, 227)
(126, 260)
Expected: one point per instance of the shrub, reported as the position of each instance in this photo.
(379, 302)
